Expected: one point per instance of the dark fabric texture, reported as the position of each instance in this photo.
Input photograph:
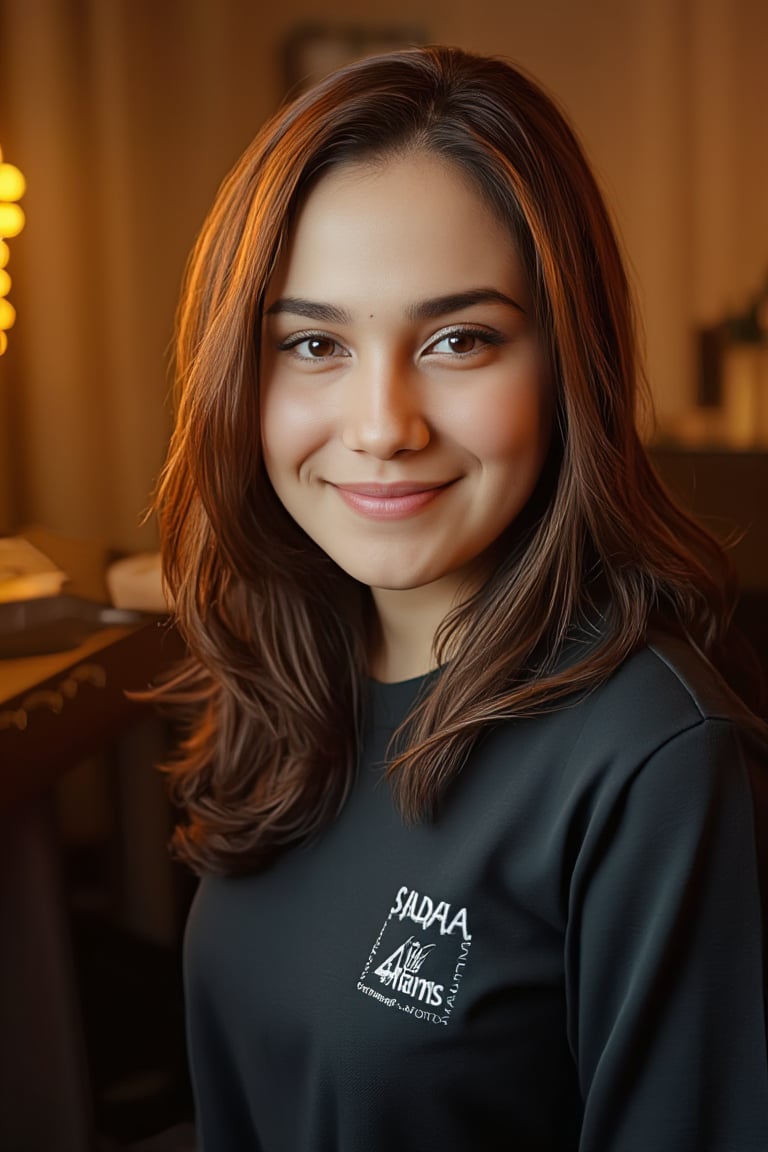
(570, 957)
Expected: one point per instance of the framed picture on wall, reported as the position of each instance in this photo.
(313, 50)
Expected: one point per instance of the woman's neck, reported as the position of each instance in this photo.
(403, 631)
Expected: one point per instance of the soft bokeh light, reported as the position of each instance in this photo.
(7, 314)
(12, 187)
(11, 219)
(12, 183)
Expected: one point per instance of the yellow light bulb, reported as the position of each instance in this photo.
(7, 314)
(12, 187)
(11, 219)
(12, 182)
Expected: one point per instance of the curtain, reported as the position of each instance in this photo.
(124, 115)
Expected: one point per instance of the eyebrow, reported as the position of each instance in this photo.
(455, 301)
(311, 309)
(430, 309)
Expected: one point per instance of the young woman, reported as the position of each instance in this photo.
(477, 813)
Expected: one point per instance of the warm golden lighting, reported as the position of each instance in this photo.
(12, 183)
(7, 314)
(11, 219)
(12, 186)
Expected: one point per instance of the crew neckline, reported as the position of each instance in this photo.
(388, 702)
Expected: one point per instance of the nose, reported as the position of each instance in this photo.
(382, 411)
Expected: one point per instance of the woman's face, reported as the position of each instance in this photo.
(406, 399)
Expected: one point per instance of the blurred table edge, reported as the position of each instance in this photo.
(57, 709)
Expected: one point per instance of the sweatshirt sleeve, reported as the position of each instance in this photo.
(665, 965)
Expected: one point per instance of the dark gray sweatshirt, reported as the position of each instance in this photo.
(570, 957)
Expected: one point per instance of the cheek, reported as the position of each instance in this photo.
(514, 427)
(291, 430)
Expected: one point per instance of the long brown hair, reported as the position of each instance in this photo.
(275, 630)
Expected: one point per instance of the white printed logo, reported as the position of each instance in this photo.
(419, 974)
(400, 973)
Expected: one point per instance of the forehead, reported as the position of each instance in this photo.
(413, 217)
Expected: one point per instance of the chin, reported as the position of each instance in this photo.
(390, 583)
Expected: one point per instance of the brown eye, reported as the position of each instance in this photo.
(461, 342)
(312, 347)
(320, 346)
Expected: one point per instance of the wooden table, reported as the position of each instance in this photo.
(56, 709)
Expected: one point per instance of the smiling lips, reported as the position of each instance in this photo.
(389, 501)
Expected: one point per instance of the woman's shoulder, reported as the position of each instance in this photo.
(669, 669)
(666, 678)
(666, 697)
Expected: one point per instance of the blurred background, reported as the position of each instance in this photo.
(124, 116)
